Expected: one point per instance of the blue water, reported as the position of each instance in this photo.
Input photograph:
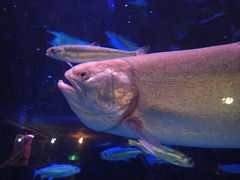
(31, 103)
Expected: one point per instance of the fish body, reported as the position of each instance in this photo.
(230, 168)
(57, 171)
(120, 42)
(83, 53)
(162, 154)
(119, 153)
(186, 98)
(64, 39)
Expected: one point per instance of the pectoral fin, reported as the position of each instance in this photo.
(155, 148)
(147, 139)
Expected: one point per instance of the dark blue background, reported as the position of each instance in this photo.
(24, 71)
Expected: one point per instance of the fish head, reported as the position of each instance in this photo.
(56, 52)
(112, 154)
(101, 94)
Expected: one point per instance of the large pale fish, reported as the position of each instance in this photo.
(83, 53)
(188, 97)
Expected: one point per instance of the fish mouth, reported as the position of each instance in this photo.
(66, 87)
(49, 52)
(75, 85)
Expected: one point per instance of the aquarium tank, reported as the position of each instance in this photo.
(120, 89)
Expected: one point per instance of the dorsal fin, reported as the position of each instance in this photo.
(69, 64)
(96, 43)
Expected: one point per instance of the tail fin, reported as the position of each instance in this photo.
(55, 33)
(142, 50)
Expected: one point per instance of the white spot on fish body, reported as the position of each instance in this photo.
(227, 100)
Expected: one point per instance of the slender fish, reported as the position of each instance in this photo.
(163, 153)
(57, 171)
(83, 53)
(119, 153)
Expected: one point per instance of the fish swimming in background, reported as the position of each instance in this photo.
(163, 153)
(57, 171)
(111, 4)
(120, 154)
(185, 98)
(83, 53)
(230, 168)
(120, 42)
(64, 39)
(213, 17)
(143, 3)
(124, 154)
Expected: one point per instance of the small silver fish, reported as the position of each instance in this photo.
(164, 153)
(83, 53)
(119, 153)
(57, 171)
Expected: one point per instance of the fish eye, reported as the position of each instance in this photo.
(84, 75)
(52, 50)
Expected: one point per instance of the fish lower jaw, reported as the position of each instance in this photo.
(63, 86)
